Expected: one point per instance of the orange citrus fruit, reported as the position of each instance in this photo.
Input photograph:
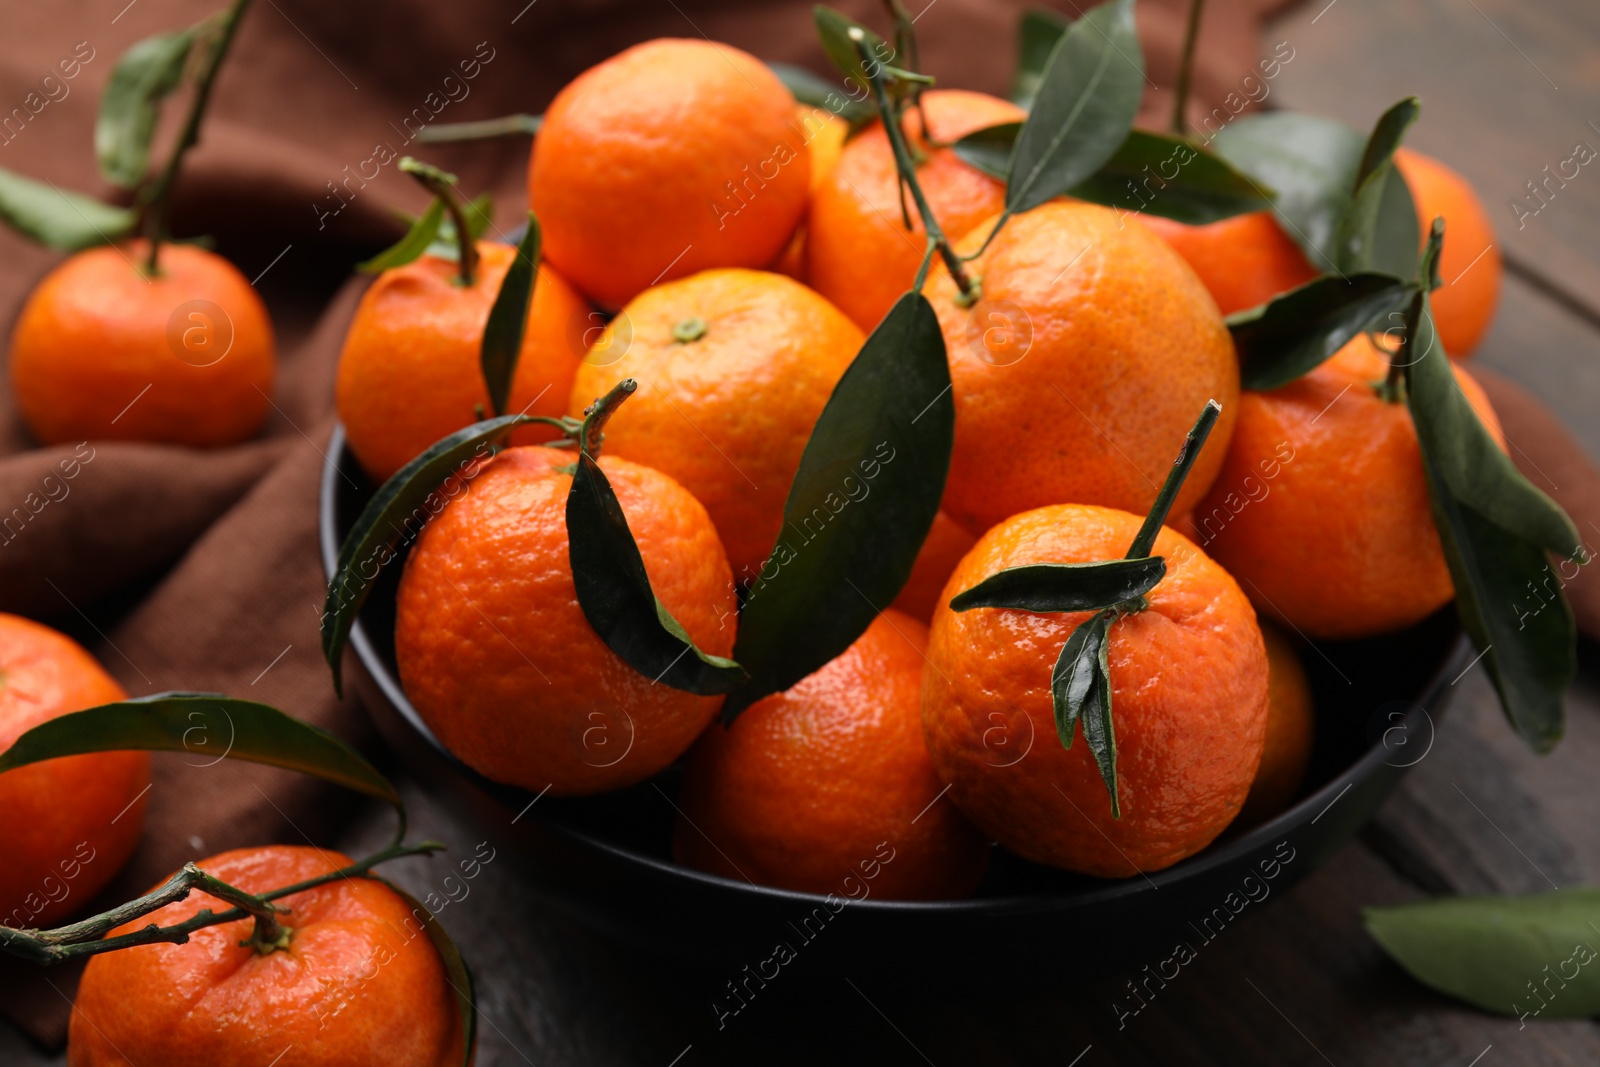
(1189, 703)
(1243, 261)
(664, 160)
(103, 352)
(359, 982)
(1470, 264)
(947, 542)
(497, 656)
(1290, 730)
(1089, 353)
(828, 785)
(824, 132)
(1321, 508)
(410, 372)
(859, 252)
(733, 366)
(70, 823)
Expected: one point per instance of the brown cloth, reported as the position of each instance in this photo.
(199, 570)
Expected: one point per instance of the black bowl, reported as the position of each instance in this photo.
(607, 859)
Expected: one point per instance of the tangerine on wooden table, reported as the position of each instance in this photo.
(1189, 703)
(1243, 261)
(102, 351)
(410, 371)
(1469, 264)
(1091, 349)
(1321, 508)
(497, 655)
(70, 823)
(666, 159)
(859, 252)
(828, 785)
(358, 983)
(734, 367)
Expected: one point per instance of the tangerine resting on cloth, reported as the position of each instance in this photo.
(828, 786)
(100, 351)
(734, 367)
(1321, 508)
(667, 159)
(1189, 703)
(1091, 349)
(359, 983)
(70, 823)
(410, 372)
(497, 656)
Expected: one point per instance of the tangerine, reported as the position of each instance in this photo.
(1243, 261)
(1469, 264)
(946, 543)
(1290, 730)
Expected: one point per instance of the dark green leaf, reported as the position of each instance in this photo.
(614, 592)
(1364, 229)
(1309, 162)
(1085, 107)
(410, 247)
(862, 502)
(479, 213)
(1521, 956)
(59, 218)
(209, 726)
(130, 104)
(818, 92)
(1098, 732)
(1203, 187)
(989, 149)
(1064, 586)
(1295, 332)
(833, 28)
(1077, 674)
(398, 511)
(1037, 33)
(456, 971)
(508, 319)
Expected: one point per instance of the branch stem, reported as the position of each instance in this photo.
(596, 414)
(443, 187)
(1180, 95)
(1192, 444)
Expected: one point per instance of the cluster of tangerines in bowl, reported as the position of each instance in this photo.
(919, 468)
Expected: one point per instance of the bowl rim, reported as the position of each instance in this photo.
(1209, 859)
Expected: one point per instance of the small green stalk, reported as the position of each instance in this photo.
(520, 125)
(443, 186)
(595, 415)
(908, 173)
(1191, 37)
(1192, 444)
(154, 198)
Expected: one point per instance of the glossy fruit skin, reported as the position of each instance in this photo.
(359, 984)
(1321, 508)
(828, 785)
(1469, 265)
(70, 823)
(669, 158)
(95, 333)
(947, 542)
(1291, 728)
(1111, 348)
(729, 413)
(494, 650)
(1189, 703)
(411, 369)
(1243, 261)
(859, 254)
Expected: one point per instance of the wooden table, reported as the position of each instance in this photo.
(1507, 88)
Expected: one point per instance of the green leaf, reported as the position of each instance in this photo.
(1203, 187)
(456, 971)
(1309, 162)
(1064, 586)
(861, 505)
(989, 149)
(1037, 33)
(209, 726)
(508, 319)
(1296, 331)
(410, 247)
(1085, 107)
(818, 92)
(1077, 674)
(614, 592)
(833, 28)
(479, 213)
(146, 74)
(1098, 732)
(59, 218)
(1378, 229)
(1520, 956)
(398, 510)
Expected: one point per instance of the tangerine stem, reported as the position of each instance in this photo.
(1180, 94)
(596, 414)
(443, 186)
(1192, 444)
(154, 198)
(908, 170)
